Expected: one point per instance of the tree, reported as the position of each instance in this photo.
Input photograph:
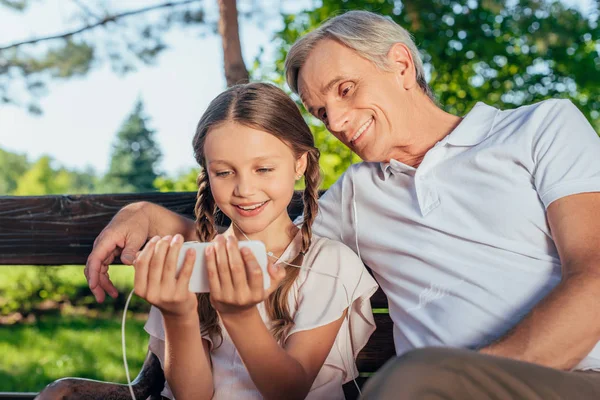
(184, 182)
(501, 52)
(129, 38)
(12, 167)
(43, 179)
(235, 69)
(135, 156)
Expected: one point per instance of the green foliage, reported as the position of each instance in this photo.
(43, 179)
(503, 53)
(19, 177)
(28, 289)
(12, 167)
(135, 156)
(184, 182)
(18, 5)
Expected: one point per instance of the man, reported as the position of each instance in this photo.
(483, 231)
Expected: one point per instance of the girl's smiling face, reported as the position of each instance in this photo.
(252, 175)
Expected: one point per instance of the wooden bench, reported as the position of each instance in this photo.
(58, 230)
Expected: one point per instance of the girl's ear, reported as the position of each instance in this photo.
(301, 164)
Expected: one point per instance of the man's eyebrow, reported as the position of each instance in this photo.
(331, 84)
(324, 90)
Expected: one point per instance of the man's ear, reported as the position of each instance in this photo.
(301, 164)
(401, 60)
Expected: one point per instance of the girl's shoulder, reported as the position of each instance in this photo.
(333, 257)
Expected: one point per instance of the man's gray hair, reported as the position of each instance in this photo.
(370, 35)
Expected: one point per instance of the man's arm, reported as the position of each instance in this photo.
(125, 235)
(564, 327)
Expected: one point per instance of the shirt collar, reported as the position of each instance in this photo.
(473, 129)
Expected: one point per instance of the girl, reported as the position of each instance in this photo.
(244, 342)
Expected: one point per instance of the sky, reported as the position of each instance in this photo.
(81, 116)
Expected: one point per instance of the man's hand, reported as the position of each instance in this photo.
(125, 235)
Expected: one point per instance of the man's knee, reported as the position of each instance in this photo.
(429, 373)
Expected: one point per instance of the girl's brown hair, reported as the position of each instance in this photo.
(267, 108)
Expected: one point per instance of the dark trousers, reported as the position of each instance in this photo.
(455, 374)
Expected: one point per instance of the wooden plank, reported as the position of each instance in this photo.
(350, 390)
(380, 347)
(55, 230)
(18, 395)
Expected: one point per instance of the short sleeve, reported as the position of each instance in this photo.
(566, 153)
(337, 281)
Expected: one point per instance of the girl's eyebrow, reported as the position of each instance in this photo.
(259, 158)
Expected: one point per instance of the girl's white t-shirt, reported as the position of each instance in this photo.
(315, 300)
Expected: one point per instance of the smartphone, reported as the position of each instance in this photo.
(199, 278)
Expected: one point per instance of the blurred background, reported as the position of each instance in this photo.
(102, 96)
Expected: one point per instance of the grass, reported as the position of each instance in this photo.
(77, 342)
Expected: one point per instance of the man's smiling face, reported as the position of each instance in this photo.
(359, 103)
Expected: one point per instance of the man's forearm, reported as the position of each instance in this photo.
(163, 221)
(561, 330)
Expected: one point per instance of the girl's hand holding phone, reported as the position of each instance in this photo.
(235, 277)
(156, 280)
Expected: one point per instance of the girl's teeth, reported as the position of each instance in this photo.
(252, 207)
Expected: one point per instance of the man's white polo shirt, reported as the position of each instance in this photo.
(461, 245)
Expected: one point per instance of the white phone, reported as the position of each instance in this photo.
(199, 278)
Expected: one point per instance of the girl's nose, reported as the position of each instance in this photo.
(245, 187)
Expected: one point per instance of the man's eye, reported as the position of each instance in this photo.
(345, 90)
(322, 115)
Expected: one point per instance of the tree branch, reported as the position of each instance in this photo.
(101, 22)
(86, 9)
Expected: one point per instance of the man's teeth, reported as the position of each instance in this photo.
(254, 207)
(362, 129)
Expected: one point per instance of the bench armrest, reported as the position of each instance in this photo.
(148, 384)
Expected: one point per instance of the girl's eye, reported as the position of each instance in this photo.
(222, 173)
(264, 170)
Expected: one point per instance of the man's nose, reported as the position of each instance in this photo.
(337, 119)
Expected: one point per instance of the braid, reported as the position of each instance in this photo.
(277, 303)
(205, 209)
(312, 178)
(206, 230)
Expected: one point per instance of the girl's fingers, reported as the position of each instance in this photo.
(214, 283)
(141, 264)
(254, 272)
(168, 273)
(236, 265)
(183, 280)
(156, 265)
(223, 265)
